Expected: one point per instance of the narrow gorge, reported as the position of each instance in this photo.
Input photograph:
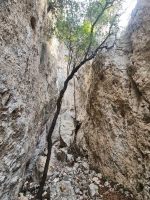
(101, 142)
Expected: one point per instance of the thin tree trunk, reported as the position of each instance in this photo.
(59, 103)
(74, 96)
(53, 124)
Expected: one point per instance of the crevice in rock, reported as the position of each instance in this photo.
(33, 22)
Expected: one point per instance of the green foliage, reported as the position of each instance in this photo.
(74, 24)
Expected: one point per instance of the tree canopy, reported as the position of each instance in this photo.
(82, 22)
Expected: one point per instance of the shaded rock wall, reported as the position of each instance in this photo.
(117, 124)
(28, 68)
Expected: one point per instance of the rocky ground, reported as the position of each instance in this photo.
(71, 178)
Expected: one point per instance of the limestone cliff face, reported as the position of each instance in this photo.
(112, 99)
(28, 89)
(117, 124)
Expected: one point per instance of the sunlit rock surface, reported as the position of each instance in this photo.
(117, 125)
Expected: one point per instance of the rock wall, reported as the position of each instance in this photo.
(28, 88)
(111, 99)
(117, 122)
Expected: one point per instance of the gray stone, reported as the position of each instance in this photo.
(96, 180)
(22, 197)
(63, 190)
(106, 184)
(70, 159)
(93, 190)
(85, 165)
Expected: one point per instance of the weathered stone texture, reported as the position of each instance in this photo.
(117, 124)
(27, 88)
(112, 99)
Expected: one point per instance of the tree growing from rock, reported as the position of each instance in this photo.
(86, 28)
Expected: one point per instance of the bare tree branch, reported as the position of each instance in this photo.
(107, 5)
